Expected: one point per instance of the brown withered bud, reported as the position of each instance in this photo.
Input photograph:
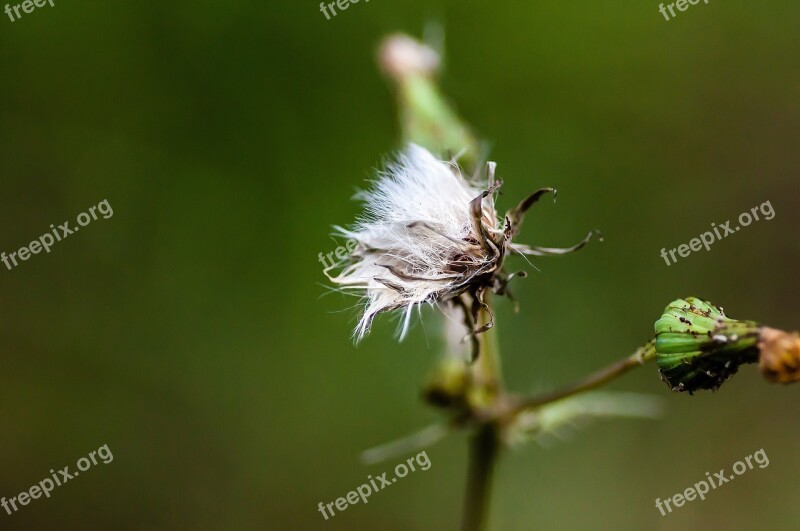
(779, 360)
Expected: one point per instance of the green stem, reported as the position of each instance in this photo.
(486, 372)
(484, 446)
(427, 119)
(640, 357)
(483, 450)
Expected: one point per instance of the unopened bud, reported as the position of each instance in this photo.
(699, 347)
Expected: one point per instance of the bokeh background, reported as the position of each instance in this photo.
(192, 332)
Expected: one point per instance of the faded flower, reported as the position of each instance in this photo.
(429, 235)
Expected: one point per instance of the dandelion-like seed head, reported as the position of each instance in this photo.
(428, 235)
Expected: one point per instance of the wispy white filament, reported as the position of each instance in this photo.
(417, 243)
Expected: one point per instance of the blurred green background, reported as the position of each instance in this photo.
(192, 333)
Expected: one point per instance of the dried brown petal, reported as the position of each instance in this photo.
(779, 361)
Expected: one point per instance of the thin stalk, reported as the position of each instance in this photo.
(482, 453)
(486, 371)
(484, 446)
(640, 357)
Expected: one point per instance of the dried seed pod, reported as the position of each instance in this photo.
(699, 347)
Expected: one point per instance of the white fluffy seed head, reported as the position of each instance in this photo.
(416, 238)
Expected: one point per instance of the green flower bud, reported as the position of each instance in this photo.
(699, 347)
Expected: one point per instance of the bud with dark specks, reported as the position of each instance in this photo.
(699, 347)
